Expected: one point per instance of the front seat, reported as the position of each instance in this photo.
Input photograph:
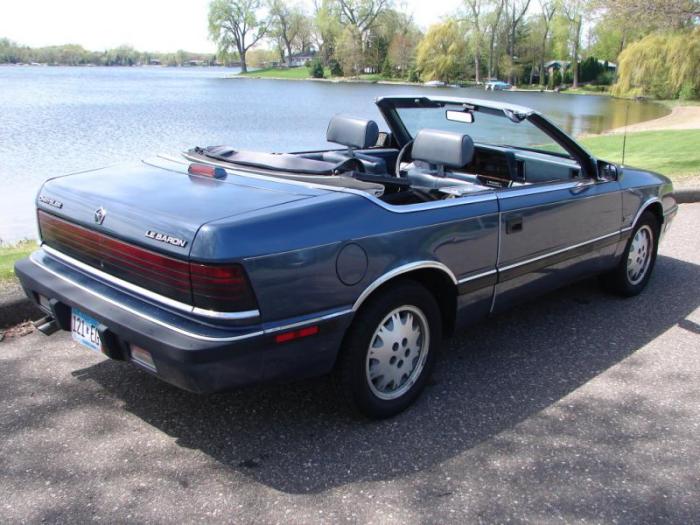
(354, 133)
(435, 150)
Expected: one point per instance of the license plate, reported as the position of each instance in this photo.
(84, 330)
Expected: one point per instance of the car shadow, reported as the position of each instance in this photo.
(297, 438)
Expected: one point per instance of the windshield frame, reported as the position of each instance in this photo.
(388, 107)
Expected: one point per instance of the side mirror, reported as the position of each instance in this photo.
(608, 170)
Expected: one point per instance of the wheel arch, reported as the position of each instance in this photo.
(436, 277)
(654, 206)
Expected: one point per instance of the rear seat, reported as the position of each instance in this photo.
(356, 134)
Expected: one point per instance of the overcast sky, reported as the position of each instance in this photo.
(153, 25)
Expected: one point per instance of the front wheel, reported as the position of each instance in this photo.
(390, 350)
(634, 269)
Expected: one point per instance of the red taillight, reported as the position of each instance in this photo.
(207, 171)
(296, 334)
(223, 288)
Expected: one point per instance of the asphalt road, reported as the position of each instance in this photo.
(579, 407)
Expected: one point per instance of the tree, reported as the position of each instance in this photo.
(316, 68)
(518, 8)
(402, 51)
(234, 24)
(475, 7)
(574, 10)
(362, 14)
(440, 55)
(288, 22)
(661, 66)
(349, 52)
(494, 20)
(549, 7)
(660, 14)
(327, 28)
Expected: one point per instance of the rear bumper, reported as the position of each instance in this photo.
(187, 353)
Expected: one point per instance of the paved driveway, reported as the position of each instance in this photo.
(577, 407)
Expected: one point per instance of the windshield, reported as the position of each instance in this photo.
(486, 128)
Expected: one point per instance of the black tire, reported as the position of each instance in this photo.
(354, 365)
(619, 280)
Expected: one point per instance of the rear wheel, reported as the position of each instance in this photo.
(634, 269)
(390, 350)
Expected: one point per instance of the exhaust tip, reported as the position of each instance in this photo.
(46, 325)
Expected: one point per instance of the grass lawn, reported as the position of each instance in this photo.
(675, 154)
(294, 73)
(10, 254)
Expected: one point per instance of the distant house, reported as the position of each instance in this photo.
(154, 62)
(557, 65)
(300, 59)
(610, 65)
(563, 65)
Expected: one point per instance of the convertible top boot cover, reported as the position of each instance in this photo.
(283, 162)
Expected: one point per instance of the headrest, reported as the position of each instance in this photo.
(444, 148)
(352, 132)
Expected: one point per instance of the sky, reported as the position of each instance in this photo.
(147, 25)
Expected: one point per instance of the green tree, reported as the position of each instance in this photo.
(575, 11)
(387, 68)
(316, 68)
(475, 19)
(235, 24)
(288, 22)
(661, 66)
(441, 54)
(349, 51)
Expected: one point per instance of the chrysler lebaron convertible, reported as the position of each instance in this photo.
(223, 267)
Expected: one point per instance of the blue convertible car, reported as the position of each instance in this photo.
(226, 267)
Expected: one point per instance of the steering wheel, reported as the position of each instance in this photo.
(405, 151)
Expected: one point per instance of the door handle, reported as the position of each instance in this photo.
(514, 225)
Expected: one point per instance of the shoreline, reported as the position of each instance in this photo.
(680, 118)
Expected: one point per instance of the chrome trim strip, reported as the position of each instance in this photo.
(643, 207)
(477, 276)
(488, 195)
(398, 271)
(507, 193)
(308, 321)
(187, 333)
(188, 308)
(556, 252)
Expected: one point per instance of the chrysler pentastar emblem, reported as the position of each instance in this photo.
(100, 214)
(163, 237)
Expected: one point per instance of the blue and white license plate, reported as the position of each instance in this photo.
(84, 330)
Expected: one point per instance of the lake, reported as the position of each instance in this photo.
(57, 120)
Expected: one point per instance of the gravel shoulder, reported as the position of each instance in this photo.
(579, 407)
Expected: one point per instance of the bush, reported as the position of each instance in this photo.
(316, 68)
(605, 78)
(688, 92)
(336, 69)
(555, 79)
(387, 70)
(413, 75)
